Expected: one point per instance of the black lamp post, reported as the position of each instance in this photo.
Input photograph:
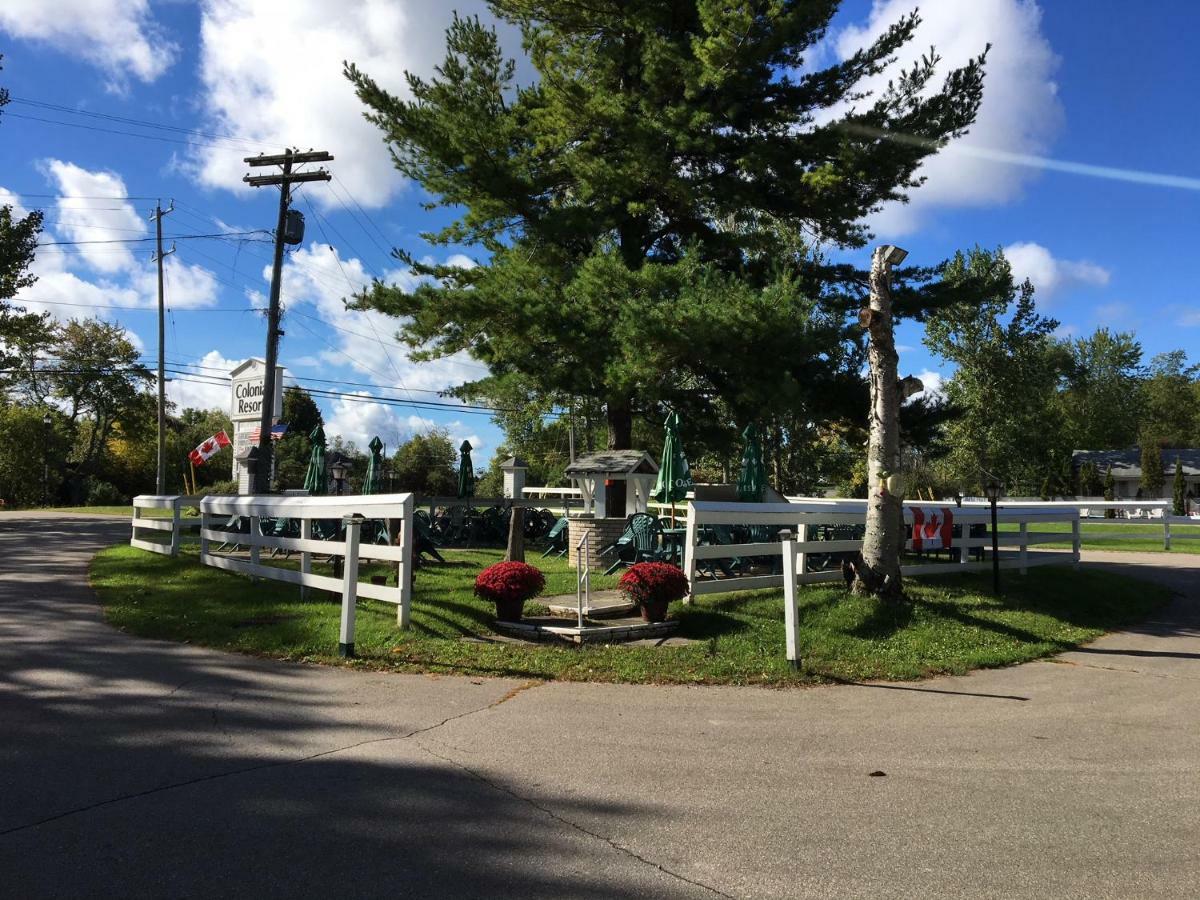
(992, 490)
(46, 423)
(338, 471)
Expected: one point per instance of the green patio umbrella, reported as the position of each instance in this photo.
(674, 476)
(315, 478)
(466, 473)
(373, 483)
(752, 480)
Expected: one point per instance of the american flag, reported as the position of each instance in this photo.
(277, 431)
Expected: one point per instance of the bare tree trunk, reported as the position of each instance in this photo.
(878, 571)
(516, 536)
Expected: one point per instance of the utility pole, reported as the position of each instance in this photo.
(285, 180)
(160, 486)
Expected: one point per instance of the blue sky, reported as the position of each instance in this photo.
(1068, 82)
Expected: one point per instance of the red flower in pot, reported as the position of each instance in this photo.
(654, 585)
(509, 585)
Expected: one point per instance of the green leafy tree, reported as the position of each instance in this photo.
(1153, 478)
(1005, 384)
(644, 212)
(1179, 490)
(1171, 400)
(294, 450)
(426, 464)
(1101, 399)
(22, 334)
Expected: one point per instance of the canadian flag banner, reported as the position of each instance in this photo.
(208, 448)
(933, 528)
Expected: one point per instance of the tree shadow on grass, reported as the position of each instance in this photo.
(883, 619)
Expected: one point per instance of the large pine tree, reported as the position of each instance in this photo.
(646, 210)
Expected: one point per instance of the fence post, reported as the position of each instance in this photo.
(305, 556)
(255, 533)
(349, 587)
(801, 537)
(1076, 538)
(404, 572)
(689, 548)
(203, 529)
(791, 617)
(175, 510)
(1024, 548)
(1166, 531)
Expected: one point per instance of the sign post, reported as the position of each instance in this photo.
(245, 410)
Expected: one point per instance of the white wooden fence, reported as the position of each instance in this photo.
(802, 519)
(174, 524)
(335, 513)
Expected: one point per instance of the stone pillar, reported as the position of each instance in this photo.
(603, 532)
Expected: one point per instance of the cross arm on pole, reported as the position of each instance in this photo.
(278, 159)
(263, 180)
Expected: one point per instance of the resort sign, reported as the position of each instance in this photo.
(247, 398)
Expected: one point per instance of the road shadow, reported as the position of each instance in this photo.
(136, 767)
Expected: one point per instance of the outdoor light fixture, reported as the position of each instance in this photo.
(894, 255)
(991, 489)
(338, 471)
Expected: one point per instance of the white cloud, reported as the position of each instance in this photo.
(317, 276)
(184, 286)
(1020, 112)
(360, 420)
(1050, 274)
(8, 198)
(934, 385)
(1189, 319)
(117, 36)
(198, 392)
(92, 220)
(1066, 331)
(272, 73)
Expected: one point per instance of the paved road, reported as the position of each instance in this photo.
(132, 767)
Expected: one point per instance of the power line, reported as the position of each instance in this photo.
(143, 123)
(86, 127)
(174, 237)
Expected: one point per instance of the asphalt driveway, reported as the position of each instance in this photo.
(134, 767)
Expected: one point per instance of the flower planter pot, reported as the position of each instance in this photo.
(509, 610)
(653, 610)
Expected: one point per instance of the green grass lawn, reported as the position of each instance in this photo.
(123, 511)
(951, 626)
(1184, 538)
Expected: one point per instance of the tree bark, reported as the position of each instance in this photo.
(878, 570)
(620, 437)
(515, 552)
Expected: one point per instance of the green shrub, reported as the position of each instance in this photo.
(101, 493)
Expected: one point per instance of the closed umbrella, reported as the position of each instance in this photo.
(752, 480)
(674, 476)
(373, 483)
(466, 474)
(315, 478)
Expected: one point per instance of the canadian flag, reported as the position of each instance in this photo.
(208, 448)
(933, 528)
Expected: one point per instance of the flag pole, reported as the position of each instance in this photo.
(193, 465)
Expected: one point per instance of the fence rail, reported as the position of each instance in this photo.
(174, 525)
(314, 527)
(1037, 526)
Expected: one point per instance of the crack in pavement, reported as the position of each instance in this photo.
(1122, 669)
(620, 848)
(274, 764)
